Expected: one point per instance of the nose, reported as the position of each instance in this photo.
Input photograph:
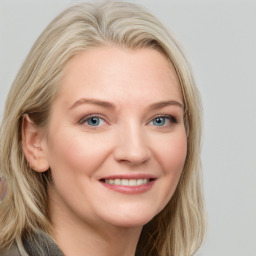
(132, 146)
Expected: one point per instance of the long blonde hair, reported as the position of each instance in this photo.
(179, 229)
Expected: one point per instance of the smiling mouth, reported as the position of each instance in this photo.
(127, 182)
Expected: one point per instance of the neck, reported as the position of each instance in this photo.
(87, 239)
(81, 237)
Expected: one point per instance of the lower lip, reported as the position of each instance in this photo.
(130, 189)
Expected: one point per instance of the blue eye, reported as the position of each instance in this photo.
(92, 121)
(159, 121)
(162, 121)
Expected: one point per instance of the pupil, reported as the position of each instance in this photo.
(94, 121)
(159, 121)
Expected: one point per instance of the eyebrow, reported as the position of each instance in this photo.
(97, 102)
(109, 105)
(163, 104)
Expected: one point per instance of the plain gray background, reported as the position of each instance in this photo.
(219, 38)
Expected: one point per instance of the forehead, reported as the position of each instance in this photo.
(116, 73)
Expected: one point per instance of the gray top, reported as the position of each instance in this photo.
(40, 245)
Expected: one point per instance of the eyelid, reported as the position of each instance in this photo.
(171, 120)
(87, 117)
(170, 117)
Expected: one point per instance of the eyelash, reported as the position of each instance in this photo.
(170, 118)
(87, 118)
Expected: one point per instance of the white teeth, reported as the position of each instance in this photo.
(126, 182)
(132, 182)
(117, 182)
(140, 182)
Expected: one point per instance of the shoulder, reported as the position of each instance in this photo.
(41, 244)
(12, 251)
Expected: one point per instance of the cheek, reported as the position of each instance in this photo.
(72, 154)
(172, 154)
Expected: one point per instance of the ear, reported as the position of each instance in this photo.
(32, 145)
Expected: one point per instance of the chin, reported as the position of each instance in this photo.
(131, 220)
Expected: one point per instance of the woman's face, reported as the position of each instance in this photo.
(116, 142)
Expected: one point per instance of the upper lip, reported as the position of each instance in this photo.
(129, 177)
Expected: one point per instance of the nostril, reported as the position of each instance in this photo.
(132, 154)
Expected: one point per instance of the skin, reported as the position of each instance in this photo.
(125, 91)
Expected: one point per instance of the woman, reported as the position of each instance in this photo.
(100, 140)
